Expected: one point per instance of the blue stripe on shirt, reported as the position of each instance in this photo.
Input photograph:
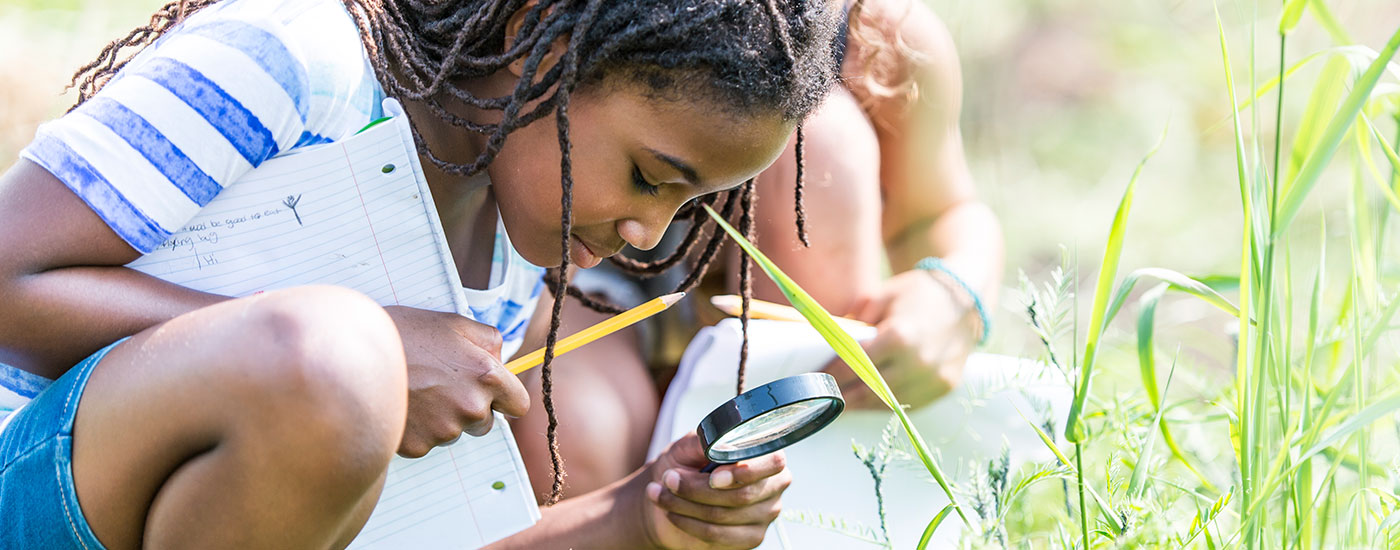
(267, 51)
(152, 144)
(23, 383)
(517, 331)
(308, 138)
(244, 131)
(130, 223)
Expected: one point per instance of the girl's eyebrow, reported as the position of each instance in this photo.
(686, 170)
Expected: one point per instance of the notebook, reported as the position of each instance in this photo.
(357, 213)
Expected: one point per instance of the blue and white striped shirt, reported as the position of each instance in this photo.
(233, 86)
(236, 84)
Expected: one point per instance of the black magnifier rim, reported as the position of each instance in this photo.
(812, 386)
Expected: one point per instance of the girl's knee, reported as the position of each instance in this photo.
(324, 356)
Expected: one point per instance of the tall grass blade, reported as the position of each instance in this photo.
(1292, 12)
(1353, 423)
(1389, 155)
(848, 349)
(1242, 434)
(1104, 509)
(1136, 485)
(1074, 427)
(933, 526)
(1177, 281)
(1326, 95)
(1361, 419)
(1337, 56)
(1332, 136)
(1148, 369)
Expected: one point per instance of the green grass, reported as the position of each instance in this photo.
(1291, 443)
(1296, 448)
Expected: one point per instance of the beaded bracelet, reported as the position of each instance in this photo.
(932, 264)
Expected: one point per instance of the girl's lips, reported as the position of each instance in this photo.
(581, 255)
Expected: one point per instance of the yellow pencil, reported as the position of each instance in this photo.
(609, 326)
(759, 309)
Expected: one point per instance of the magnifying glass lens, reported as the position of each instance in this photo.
(770, 417)
(771, 425)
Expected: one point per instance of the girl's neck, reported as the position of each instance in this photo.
(469, 221)
(465, 205)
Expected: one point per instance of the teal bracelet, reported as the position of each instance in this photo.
(932, 264)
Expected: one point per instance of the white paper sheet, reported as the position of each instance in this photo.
(332, 214)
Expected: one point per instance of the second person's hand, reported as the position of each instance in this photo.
(925, 331)
(455, 378)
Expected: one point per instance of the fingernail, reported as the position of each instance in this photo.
(672, 480)
(654, 491)
(721, 479)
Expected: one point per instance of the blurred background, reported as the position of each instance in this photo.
(1061, 100)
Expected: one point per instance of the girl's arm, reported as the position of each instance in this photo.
(887, 176)
(64, 290)
(114, 176)
(931, 206)
(928, 321)
(66, 294)
(668, 504)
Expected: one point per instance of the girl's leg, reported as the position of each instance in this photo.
(606, 404)
(260, 422)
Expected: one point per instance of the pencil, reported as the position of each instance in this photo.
(759, 309)
(608, 326)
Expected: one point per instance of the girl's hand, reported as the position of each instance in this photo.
(730, 507)
(925, 330)
(455, 378)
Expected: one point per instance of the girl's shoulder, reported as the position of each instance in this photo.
(318, 46)
(899, 52)
(214, 97)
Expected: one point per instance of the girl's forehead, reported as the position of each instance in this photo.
(718, 148)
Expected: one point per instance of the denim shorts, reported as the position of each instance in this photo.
(38, 502)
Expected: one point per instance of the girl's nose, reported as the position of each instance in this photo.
(642, 236)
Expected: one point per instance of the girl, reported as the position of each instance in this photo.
(888, 178)
(288, 405)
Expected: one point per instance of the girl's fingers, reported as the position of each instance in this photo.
(759, 513)
(720, 536)
(687, 451)
(695, 487)
(748, 471)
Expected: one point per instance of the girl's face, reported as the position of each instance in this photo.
(636, 161)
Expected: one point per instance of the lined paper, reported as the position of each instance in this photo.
(351, 225)
(357, 213)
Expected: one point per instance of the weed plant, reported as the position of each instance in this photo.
(1296, 447)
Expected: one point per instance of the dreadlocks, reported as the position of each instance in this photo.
(744, 56)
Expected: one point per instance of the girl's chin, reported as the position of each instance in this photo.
(548, 256)
(580, 255)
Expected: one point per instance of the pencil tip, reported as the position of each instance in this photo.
(671, 299)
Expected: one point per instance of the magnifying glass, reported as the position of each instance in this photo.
(769, 417)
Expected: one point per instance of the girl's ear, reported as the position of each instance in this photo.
(556, 50)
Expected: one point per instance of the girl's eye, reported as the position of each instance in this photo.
(642, 184)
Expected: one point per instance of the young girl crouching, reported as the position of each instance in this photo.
(153, 415)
